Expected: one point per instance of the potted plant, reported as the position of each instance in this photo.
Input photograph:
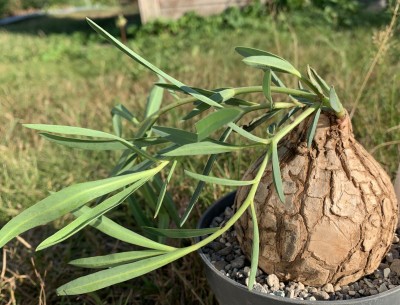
(314, 181)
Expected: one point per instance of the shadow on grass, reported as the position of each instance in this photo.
(48, 25)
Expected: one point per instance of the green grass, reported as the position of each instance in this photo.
(50, 77)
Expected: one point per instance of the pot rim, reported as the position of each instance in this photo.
(358, 301)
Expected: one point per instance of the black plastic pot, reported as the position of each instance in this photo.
(229, 292)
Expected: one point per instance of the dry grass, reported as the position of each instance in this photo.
(75, 80)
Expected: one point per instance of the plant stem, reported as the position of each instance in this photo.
(247, 202)
(285, 130)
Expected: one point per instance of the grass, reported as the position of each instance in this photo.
(50, 77)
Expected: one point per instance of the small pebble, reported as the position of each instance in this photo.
(386, 273)
(321, 295)
(279, 293)
(395, 239)
(395, 266)
(382, 288)
(328, 288)
(220, 265)
(290, 294)
(273, 282)
(237, 262)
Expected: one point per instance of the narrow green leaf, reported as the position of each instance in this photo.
(150, 66)
(247, 52)
(276, 80)
(220, 181)
(223, 95)
(277, 172)
(239, 102)
(207, 169)
(334, 101)
(115, 259)
(154, 101)
(63, 202)
(313, 127)
(169, 203)
(196, 111)
(288, 115)
(175, 135)
(83, 220)
(216, 120)
(247, 134)
(70, 130)
(314, 82)
(180, 233)
(274, 63)
(86, 144)
(164, 188)
(267, 117)
(176, 88)
(123, 112)
(79, 131)
(324, 86)
(117, 125)
(162, 223)
(205, 148)
(118, 274)
(89, 144)
(137, 212)
(266, 85)
(113, 229)
(255, 248)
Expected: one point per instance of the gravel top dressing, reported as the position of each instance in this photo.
(227, 257)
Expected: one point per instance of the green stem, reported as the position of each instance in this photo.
(285, 130)
(278, 105)
(247, 202)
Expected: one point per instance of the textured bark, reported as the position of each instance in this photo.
(340, 211)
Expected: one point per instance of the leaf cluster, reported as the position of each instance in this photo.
(155, 151)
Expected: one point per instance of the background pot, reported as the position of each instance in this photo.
(229, 292)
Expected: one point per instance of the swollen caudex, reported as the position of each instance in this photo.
(340, 211)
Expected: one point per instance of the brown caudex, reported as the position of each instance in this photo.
(340, 211)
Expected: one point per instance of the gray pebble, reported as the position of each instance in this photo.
(290, 294)
(328, 288)
(279, 293)
(321, 295)
(386, 273)
(220, 265)
(273, 282)
(238, 262)
(382, 288)
(225, 251)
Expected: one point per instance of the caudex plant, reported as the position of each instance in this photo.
(315, 207)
